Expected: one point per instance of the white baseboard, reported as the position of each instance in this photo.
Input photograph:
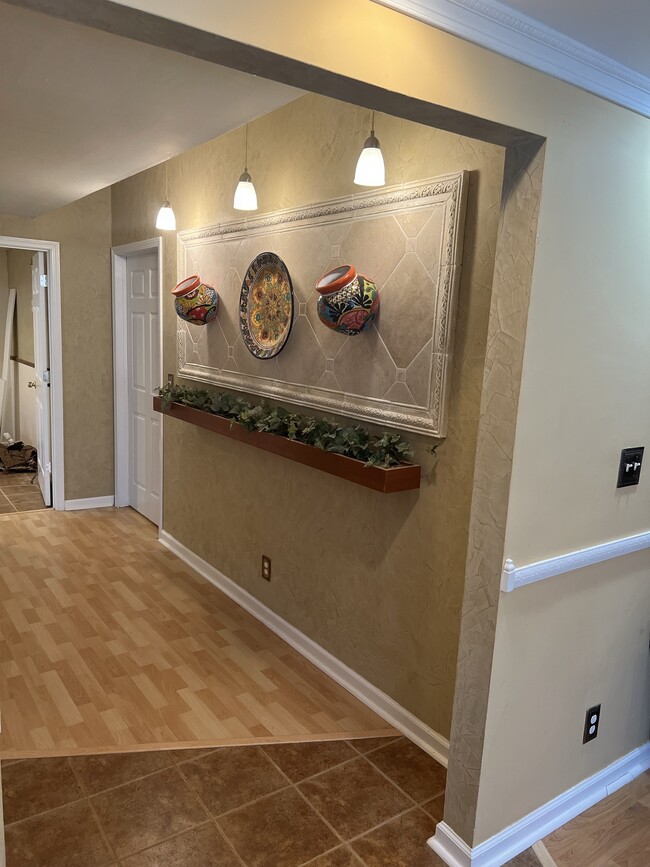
(546, 819)
(426, 738)
(450, 847)
(89, 503)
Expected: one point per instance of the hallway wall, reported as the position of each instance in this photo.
(83, 229)
(19, 268)
(21, 419)
(4, 300)
(377, 580)
(585, 368)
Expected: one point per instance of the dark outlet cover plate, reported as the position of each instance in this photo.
(592, 721)
(629, 469)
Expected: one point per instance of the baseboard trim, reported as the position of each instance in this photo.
(450, 847)
(546, 819)
(89, 503)
(426, 738)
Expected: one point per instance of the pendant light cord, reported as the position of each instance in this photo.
(246, 150)
(372, 125)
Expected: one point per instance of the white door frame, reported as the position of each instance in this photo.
(52, 252)
(119, 256)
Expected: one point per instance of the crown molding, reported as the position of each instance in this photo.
(495, 26)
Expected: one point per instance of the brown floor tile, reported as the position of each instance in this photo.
(231, 777)
(435, 808)
(200, 847)
(67, 837)
(35, 785)
(299, 761)
(145, 812)
(365, 745)
(354, 797)
(401, 842)
(342, 857)
(22, 492)
(420, 776)
(526, 859)
(33, 504)
(188, 755)
(6, 507)
(10, 480)
(99, 773)
(278, 831)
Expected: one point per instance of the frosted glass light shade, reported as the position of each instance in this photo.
(166, 218)
(245, 195)
(371, 171)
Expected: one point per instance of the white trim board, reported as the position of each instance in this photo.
(514, 576)
(53, 254)
(496, 26)
(89, 503)
(546, 819)
(426, 738)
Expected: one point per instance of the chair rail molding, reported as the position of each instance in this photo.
(495, 26)
(514, 576)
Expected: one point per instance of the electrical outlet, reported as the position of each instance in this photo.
(592, 721)
(170, 379)
(266, 567)
(629, 468)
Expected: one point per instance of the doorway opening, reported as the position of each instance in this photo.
(137, 368)
(31, 405)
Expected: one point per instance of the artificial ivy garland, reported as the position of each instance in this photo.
(387, 450)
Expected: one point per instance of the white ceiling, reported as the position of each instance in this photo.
(620, 29)
(81, 109)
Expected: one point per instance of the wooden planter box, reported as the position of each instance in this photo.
(406, 477)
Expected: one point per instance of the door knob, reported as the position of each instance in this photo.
(31, 384)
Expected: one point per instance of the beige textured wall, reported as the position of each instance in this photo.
(376, 579)
(586, 365)
(19, 266)
(84, 231)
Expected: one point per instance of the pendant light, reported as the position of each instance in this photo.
(245, 195)
(370, 165)
(166, 218)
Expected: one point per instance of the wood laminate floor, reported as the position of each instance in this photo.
(613, 833)
(109, 642)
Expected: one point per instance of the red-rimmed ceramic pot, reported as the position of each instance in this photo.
(348, 301)
(195, 301)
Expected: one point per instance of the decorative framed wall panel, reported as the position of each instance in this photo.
(407, 238)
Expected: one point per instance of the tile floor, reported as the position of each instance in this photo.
(361, 803)
(18, 494)
(327, 804)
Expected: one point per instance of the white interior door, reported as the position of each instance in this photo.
(143, 348)
(42, 375)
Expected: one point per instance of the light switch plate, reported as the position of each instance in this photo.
(629, 468)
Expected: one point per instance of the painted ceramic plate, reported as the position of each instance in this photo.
(266, 306)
